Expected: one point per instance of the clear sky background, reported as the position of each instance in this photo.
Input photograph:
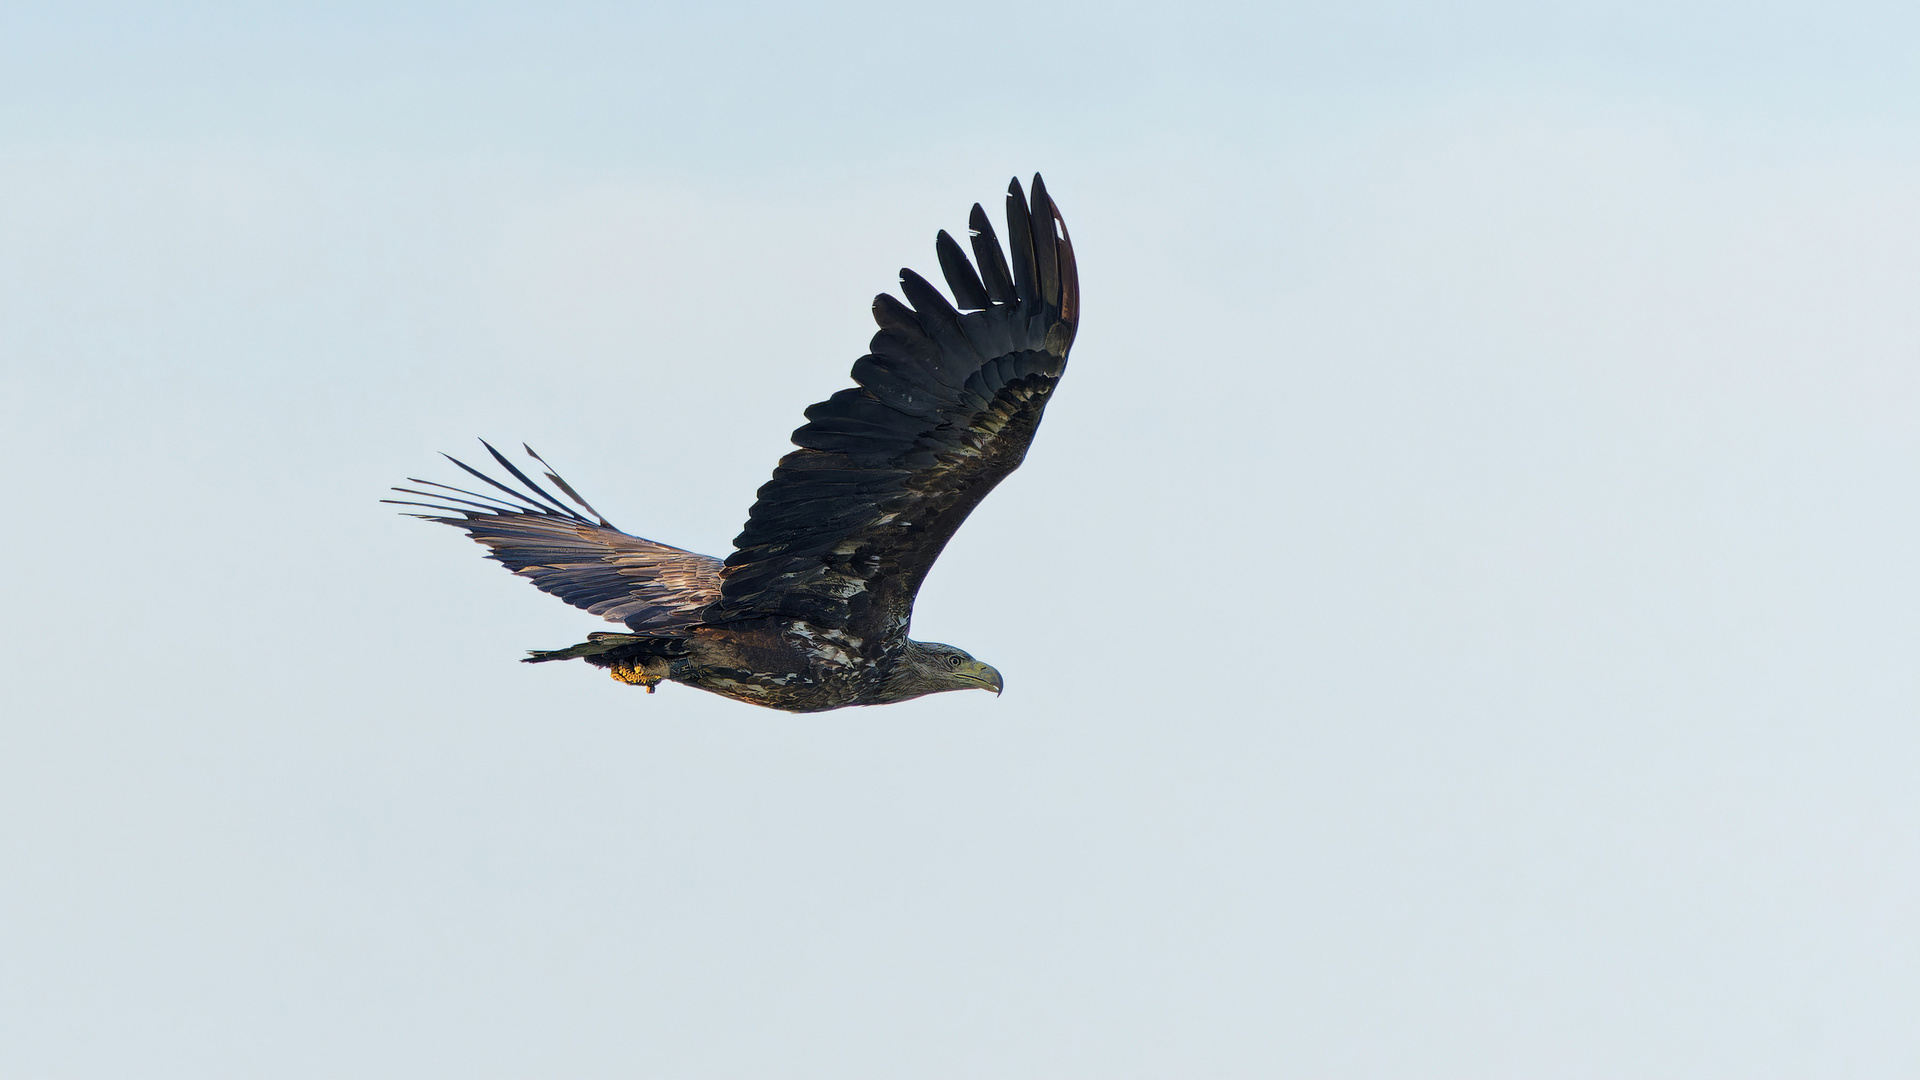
(1459, 617)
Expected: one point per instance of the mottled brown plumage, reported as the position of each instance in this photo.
(812, 608)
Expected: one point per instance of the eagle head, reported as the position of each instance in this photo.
(930, 668)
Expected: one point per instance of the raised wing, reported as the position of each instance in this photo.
(585, 561)
(943, 409)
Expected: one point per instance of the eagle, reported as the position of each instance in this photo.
(811, 611)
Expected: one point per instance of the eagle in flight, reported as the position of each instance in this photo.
(811, 610)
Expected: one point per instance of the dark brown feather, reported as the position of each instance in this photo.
(993, 261)
(968, 293)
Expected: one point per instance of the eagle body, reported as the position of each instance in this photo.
(799, 667)
(811, 610)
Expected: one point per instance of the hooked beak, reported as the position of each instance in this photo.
(985, 675)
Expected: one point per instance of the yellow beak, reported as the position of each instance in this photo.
(985, 675)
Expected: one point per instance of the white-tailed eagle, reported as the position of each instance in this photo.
(811, 610)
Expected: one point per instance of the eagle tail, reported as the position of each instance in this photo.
(612, 650)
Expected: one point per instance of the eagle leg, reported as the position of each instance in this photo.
(641, 671)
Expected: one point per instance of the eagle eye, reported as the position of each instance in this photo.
(953, 662)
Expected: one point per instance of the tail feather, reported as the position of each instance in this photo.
(606, 650)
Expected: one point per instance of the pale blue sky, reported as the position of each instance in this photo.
(1459, 616)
